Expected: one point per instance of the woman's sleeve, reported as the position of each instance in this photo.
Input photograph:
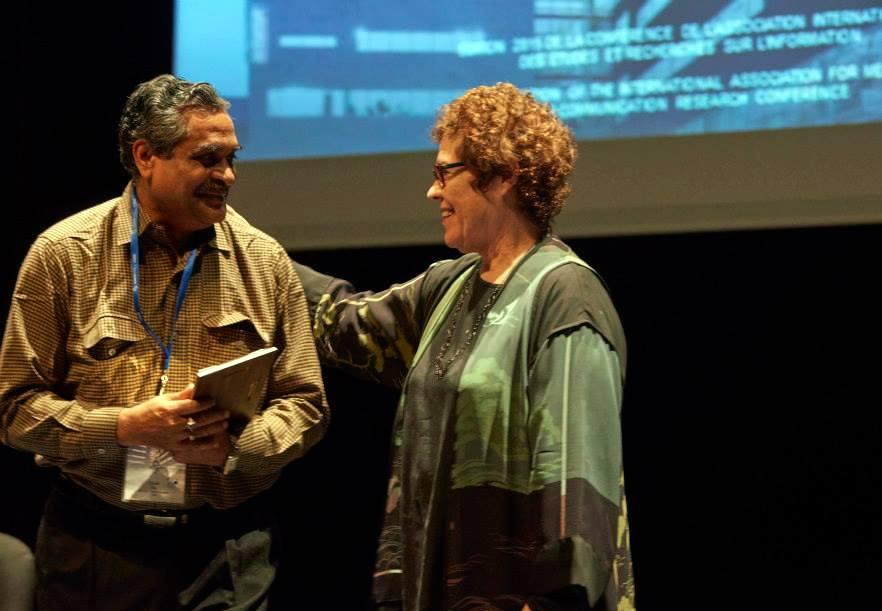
(372, 335)
(575, 395)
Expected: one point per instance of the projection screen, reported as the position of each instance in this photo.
(690, 116)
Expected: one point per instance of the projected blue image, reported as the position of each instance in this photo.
(346, 77)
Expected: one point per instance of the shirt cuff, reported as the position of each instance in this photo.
(99, 433)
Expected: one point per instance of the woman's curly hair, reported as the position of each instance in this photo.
(505, 129)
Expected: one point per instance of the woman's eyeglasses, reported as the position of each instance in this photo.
(439, 171)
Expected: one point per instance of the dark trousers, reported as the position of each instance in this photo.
(97, 557)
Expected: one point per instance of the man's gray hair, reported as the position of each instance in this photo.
(154, 112)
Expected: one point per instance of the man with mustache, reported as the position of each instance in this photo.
(160, 502)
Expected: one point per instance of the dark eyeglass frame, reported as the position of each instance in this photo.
(439, 171)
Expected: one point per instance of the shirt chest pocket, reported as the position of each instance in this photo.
(114, 352)
(111, 335)
(234, 333)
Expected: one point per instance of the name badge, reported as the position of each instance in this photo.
(154, 476)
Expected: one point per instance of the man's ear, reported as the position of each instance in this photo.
(143, 156)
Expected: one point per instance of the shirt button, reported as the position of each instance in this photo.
(101, 451)
(111, 352)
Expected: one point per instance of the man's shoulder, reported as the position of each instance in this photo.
(83, 224)
(245, 235)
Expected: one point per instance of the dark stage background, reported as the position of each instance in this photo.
(750, 435)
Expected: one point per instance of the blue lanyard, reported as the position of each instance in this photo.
(182, 292)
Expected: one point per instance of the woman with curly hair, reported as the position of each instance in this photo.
(507, 487)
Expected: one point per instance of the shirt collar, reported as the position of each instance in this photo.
(122, 231)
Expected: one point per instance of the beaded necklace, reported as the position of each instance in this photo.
(442, 366)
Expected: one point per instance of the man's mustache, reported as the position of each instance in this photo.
(213, 190)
